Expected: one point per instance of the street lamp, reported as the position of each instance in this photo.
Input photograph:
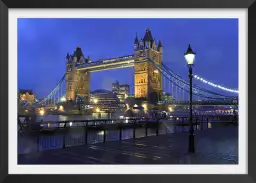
(190, 58)
(63, 99)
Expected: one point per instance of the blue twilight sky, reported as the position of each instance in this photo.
(44, 43)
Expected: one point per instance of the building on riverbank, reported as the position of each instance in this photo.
(26, 96)
(121, 91)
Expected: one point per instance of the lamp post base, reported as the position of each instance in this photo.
(191, 147)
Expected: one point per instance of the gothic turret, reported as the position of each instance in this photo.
(154, 45)
(148, 36)
(141, 44)
(68, 58)
(78, 55)
(136, 42)
(160, 46)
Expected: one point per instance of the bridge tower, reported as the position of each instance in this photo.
(77, 82)
(147, 79)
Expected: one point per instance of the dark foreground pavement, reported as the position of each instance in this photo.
(213, 146)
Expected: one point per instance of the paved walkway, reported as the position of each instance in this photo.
(213, 146)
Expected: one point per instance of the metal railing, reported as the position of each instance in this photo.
(52, 135)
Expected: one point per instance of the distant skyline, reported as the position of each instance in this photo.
(44, 43)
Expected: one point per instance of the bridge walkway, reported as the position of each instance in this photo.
(213, 146)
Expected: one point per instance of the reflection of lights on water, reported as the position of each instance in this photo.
(97, 109)
(101, 133)
(41, 112)
(209, 125)
(70, 123)
(63, 118)
(145, 106)
(170, 109)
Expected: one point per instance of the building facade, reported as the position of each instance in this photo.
(106, 101)
(166, 97)
(26, 96)
(121, 91)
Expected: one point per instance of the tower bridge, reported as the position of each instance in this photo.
(151, 76)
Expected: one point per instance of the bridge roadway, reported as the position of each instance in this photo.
(108, 64)
(218, 145)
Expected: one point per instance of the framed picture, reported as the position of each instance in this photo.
(174, 127)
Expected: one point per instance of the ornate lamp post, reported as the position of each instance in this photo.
(190, 58)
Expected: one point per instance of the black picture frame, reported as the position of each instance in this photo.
(6, 4)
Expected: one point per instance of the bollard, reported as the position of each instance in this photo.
(175, 124)
(134, 129)
(104, 131)
(64, 137)
(120, 133)
(202, 124)
(38, 143)
(182, 124)
(64, 141)
(104, 135)
(146, 130)
(196, 123)
(157, 128)
(86, 134)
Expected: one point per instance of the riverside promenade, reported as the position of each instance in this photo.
(217, 145)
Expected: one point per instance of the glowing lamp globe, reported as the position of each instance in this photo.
(190, 56)
(63, 99)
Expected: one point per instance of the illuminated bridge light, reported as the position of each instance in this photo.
(215, 85)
